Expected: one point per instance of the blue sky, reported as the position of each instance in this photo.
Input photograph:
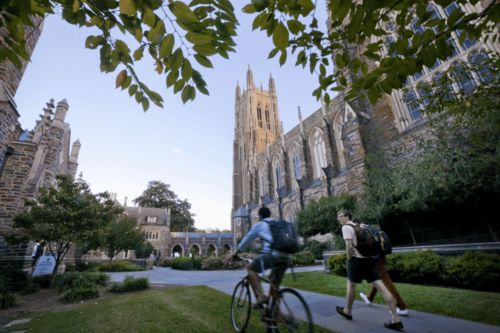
(187, 146)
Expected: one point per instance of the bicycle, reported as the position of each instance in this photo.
(276, 314)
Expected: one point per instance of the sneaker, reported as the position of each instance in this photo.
(365, 298)
(402, 312)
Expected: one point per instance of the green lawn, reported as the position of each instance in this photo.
(176, 309)
(472, 305)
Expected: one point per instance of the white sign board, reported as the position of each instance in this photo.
(45, 265)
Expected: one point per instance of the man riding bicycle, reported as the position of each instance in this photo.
(276, 260)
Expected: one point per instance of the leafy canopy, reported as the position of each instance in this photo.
(159, 195)
(122, 234)
(181, 37)
(67, 214)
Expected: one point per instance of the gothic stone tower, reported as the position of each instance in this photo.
(257, 125)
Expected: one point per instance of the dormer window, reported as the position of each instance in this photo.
(151, 219)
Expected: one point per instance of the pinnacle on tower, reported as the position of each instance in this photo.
(272, 87)
(250, 82)
(61, 110)
(238, 90)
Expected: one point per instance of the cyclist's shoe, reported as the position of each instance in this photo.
(340, 311)
(398, 326)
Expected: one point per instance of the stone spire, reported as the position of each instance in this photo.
(250, 82)
(75, 151)
(238, 91)
(272, 86)
(301, 123)
(60, 116)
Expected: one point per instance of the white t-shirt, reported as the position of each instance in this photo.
(349, 233)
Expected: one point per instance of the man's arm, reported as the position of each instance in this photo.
(349, 247)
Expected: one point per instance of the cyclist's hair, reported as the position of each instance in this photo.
(264, 212)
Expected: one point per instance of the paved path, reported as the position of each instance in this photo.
(367, 319)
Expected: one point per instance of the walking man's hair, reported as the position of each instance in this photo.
(264, 212)
(345, 212)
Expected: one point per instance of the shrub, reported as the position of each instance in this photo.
(80, 293)
(337, 264)
(120, 266)
(303, 258)
(14, 279)
(79, 280)
(166, 262)
(131, 284)
(473, 270)
(44, 281)
(424, 267)
(316, 248)
(7, 299)
(31, 288)
(186, 263)
(212, 263)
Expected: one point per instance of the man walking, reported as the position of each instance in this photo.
(359, 268)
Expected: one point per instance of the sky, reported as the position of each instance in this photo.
(188, 146)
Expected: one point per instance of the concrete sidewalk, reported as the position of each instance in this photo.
(366, 318)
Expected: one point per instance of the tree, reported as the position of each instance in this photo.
(320, 216)
(122, 234)
(458, 165)
(159, 195)
(67, 214)
(178, 35)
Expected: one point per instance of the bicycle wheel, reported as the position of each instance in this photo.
(241, 306)
(290, 313)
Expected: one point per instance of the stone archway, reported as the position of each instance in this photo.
(226, 248)
(211, 250)
(195, 250)
(177, 248)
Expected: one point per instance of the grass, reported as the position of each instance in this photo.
(176, 309)
(471, 305)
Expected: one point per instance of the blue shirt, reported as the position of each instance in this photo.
(260, 229)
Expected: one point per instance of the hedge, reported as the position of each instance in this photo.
(472, 270)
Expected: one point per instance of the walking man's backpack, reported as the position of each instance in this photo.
(371, 241)
(284, 236)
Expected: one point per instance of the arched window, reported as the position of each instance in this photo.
(464, 79)
(279, 182)
(318, 152)
(480, 62)
(268, 120)
(410, 99)
(259, 115)
(296, 167)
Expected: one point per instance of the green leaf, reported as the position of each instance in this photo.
(132, 89)
(198, 39)
(204, 61)
(167, 46)
(127, 7)
(203, 90)
(149, 17)
(188, 93)
(295, 26)
(172, 78)
(280, 36)
(272, 53)
(249, 9)
(176, 59)
(145, 104)
(339, 60)
(178, 86)
(283, 57)
(187, 70)
(138, 53)
(183, 13)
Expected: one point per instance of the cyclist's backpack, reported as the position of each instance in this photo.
(284, 236)
(371, 241)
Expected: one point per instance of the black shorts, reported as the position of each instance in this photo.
(362, 268)
(266, 261)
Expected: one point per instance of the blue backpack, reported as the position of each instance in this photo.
(284, 236)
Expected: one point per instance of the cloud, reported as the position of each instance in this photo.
(178, 151)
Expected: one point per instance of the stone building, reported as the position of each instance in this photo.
(325, 153)
(28, 159)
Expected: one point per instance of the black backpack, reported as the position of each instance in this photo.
(284, 236)
(371, 241)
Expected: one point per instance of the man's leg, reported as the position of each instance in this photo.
(389, 299)
(351, 291)
(254, 280)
